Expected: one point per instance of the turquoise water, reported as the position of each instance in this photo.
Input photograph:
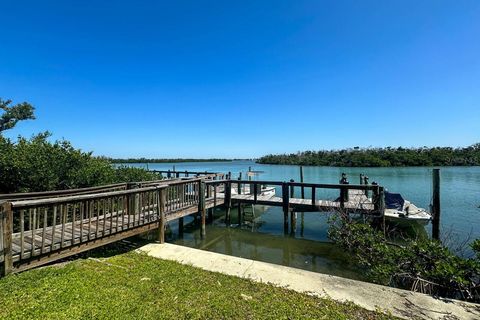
(308, 247)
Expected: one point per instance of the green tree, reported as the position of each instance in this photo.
(14, 113)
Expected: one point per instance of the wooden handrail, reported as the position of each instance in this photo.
(40, 194)
(58, 200)
(309, 185)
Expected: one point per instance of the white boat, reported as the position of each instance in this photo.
(265, 191)
(402, 211)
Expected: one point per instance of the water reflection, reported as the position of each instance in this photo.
(265, 241)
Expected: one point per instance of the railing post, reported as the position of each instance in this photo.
(228, 201)
(209, 195)
(365, 182)
(301, 180)
(239, 183)
(378, 198)
(342, 197)
(161, 201)
(6, 217)
(285, 205)
(292, 189)
(255, 192)
(201, 206)
(313, 197)
(131, 201)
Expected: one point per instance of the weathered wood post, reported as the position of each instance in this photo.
(343, 191)
(365, 182)
(201, 207)
(376, 197)
(292, 189)
(436, 204)
(228, 201)
(209, 195)
(293, 215)
(301, 180)
(293, 222)
(161, 202)
(239, 183)
(131, 208)
(6, 228)
(285, 205)
(381, 201)
(239, 208)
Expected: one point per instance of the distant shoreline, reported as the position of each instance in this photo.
(143, 160)
(380, 157)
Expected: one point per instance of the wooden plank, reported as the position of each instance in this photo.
(34, 213)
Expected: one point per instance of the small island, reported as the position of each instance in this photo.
(381, 157)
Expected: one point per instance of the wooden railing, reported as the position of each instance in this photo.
(61, 224)
(186, 174)
(287, 191)
(40, 227)
(61, 193)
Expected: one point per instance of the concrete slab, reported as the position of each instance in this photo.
(401, 303)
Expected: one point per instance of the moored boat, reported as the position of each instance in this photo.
(402, 211)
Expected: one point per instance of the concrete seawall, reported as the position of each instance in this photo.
(370, 296)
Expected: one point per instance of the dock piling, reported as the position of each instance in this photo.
(6, 224)
(285, 205)
(302, 190)
(436, 204)
(228, 201)
(161, 201)
(201, 206)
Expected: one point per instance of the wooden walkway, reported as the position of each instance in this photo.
(38, 228)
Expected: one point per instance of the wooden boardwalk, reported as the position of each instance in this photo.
(38, 228)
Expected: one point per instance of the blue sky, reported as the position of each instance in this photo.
(243, 78)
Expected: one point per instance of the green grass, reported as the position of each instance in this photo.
(135, 286)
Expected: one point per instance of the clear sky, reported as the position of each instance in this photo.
(243, 78)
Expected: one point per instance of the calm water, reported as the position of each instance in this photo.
(309, 248)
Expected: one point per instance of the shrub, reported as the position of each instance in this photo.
(36, 164)
(419, 265)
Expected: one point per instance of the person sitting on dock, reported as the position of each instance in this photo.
(344, 179)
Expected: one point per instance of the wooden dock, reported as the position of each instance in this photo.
(38, 228)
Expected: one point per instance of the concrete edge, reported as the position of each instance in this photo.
(401, 303)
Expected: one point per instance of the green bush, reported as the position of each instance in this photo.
(36, 164)
(419, 265)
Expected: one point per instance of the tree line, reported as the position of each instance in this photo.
(381, 157)
(156, 160)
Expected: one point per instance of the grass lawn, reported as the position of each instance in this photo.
(135, 286)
